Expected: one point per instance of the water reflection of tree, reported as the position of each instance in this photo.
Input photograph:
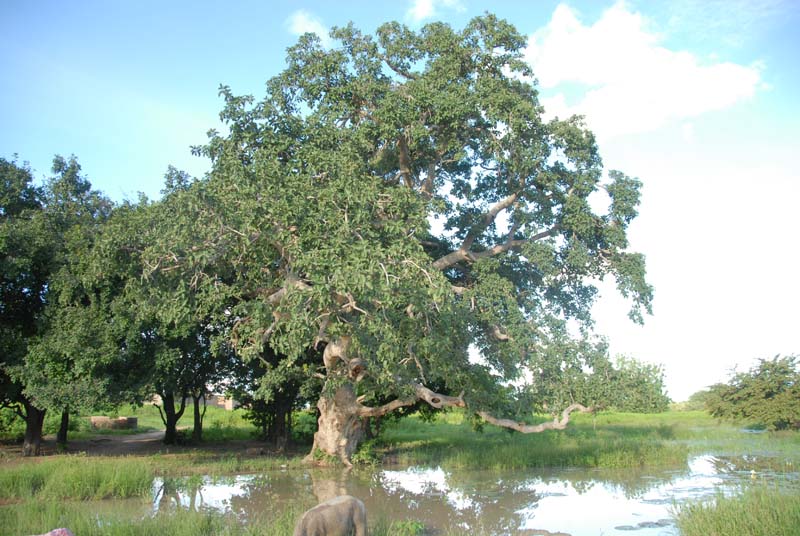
(171, 492)
(482, 502)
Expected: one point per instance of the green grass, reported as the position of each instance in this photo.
(76, 477)
(612, 441)
(218, 424)
(757, 511)
(37, 517)
(608, 440)
(98, 477)
(200, 462)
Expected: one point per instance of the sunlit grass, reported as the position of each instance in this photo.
(76, 477)
(604, 441)
(756, 511)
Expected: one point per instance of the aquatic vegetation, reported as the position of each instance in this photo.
(755, 511)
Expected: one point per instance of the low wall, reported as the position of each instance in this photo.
(119, 423)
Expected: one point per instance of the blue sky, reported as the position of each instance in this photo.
(698, 98)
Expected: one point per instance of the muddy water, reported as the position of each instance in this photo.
(567, 501)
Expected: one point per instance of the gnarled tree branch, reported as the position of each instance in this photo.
(433, 398)
(555, 424)
(462, 254)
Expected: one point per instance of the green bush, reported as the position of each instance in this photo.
(304, 425)
(768, 395)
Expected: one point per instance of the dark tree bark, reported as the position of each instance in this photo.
(280, 425)
(34, 420)
(170, 416)
(61, 437)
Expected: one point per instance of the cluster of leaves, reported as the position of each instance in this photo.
(580, 370)
(768, 394)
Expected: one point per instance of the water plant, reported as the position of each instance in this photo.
(756, 511)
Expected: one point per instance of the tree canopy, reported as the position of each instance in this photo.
(400, 200)
(52, 329)
(395, 214)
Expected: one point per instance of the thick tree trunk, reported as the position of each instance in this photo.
(342, 419)
(61, 437)
(170, 417)
(340, 428)
(34, 420)
(280, 426)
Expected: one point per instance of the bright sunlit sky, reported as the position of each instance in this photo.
(700, 99)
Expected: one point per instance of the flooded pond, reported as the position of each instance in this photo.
(566, 501)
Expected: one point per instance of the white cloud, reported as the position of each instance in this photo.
(427, 9)
(301, 22)
(630, 84)
(687, 130)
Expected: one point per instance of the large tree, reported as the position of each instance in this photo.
(25, 265)
(400, 201)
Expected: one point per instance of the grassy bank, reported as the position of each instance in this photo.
(37, 517)
(757, 511)
(612, 441)
(97, 477)
(80, 478)
(41, 494)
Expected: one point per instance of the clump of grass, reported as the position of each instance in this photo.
(214, 464)
(755, 511)
(76, 477)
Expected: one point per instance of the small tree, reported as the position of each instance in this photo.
(65, 367)
(768, 394)
(49, 322)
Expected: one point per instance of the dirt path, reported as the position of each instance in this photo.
(120, 445)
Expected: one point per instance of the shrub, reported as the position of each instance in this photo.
(768, 394)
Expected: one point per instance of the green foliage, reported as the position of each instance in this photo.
(630, 386)
(580, 371)
(768, 394)
(756, 511)
(304, 424)
(314, 221)
(697, 401)
(398, 528)
(367, 454)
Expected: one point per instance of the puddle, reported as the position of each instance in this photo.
(567, 501)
